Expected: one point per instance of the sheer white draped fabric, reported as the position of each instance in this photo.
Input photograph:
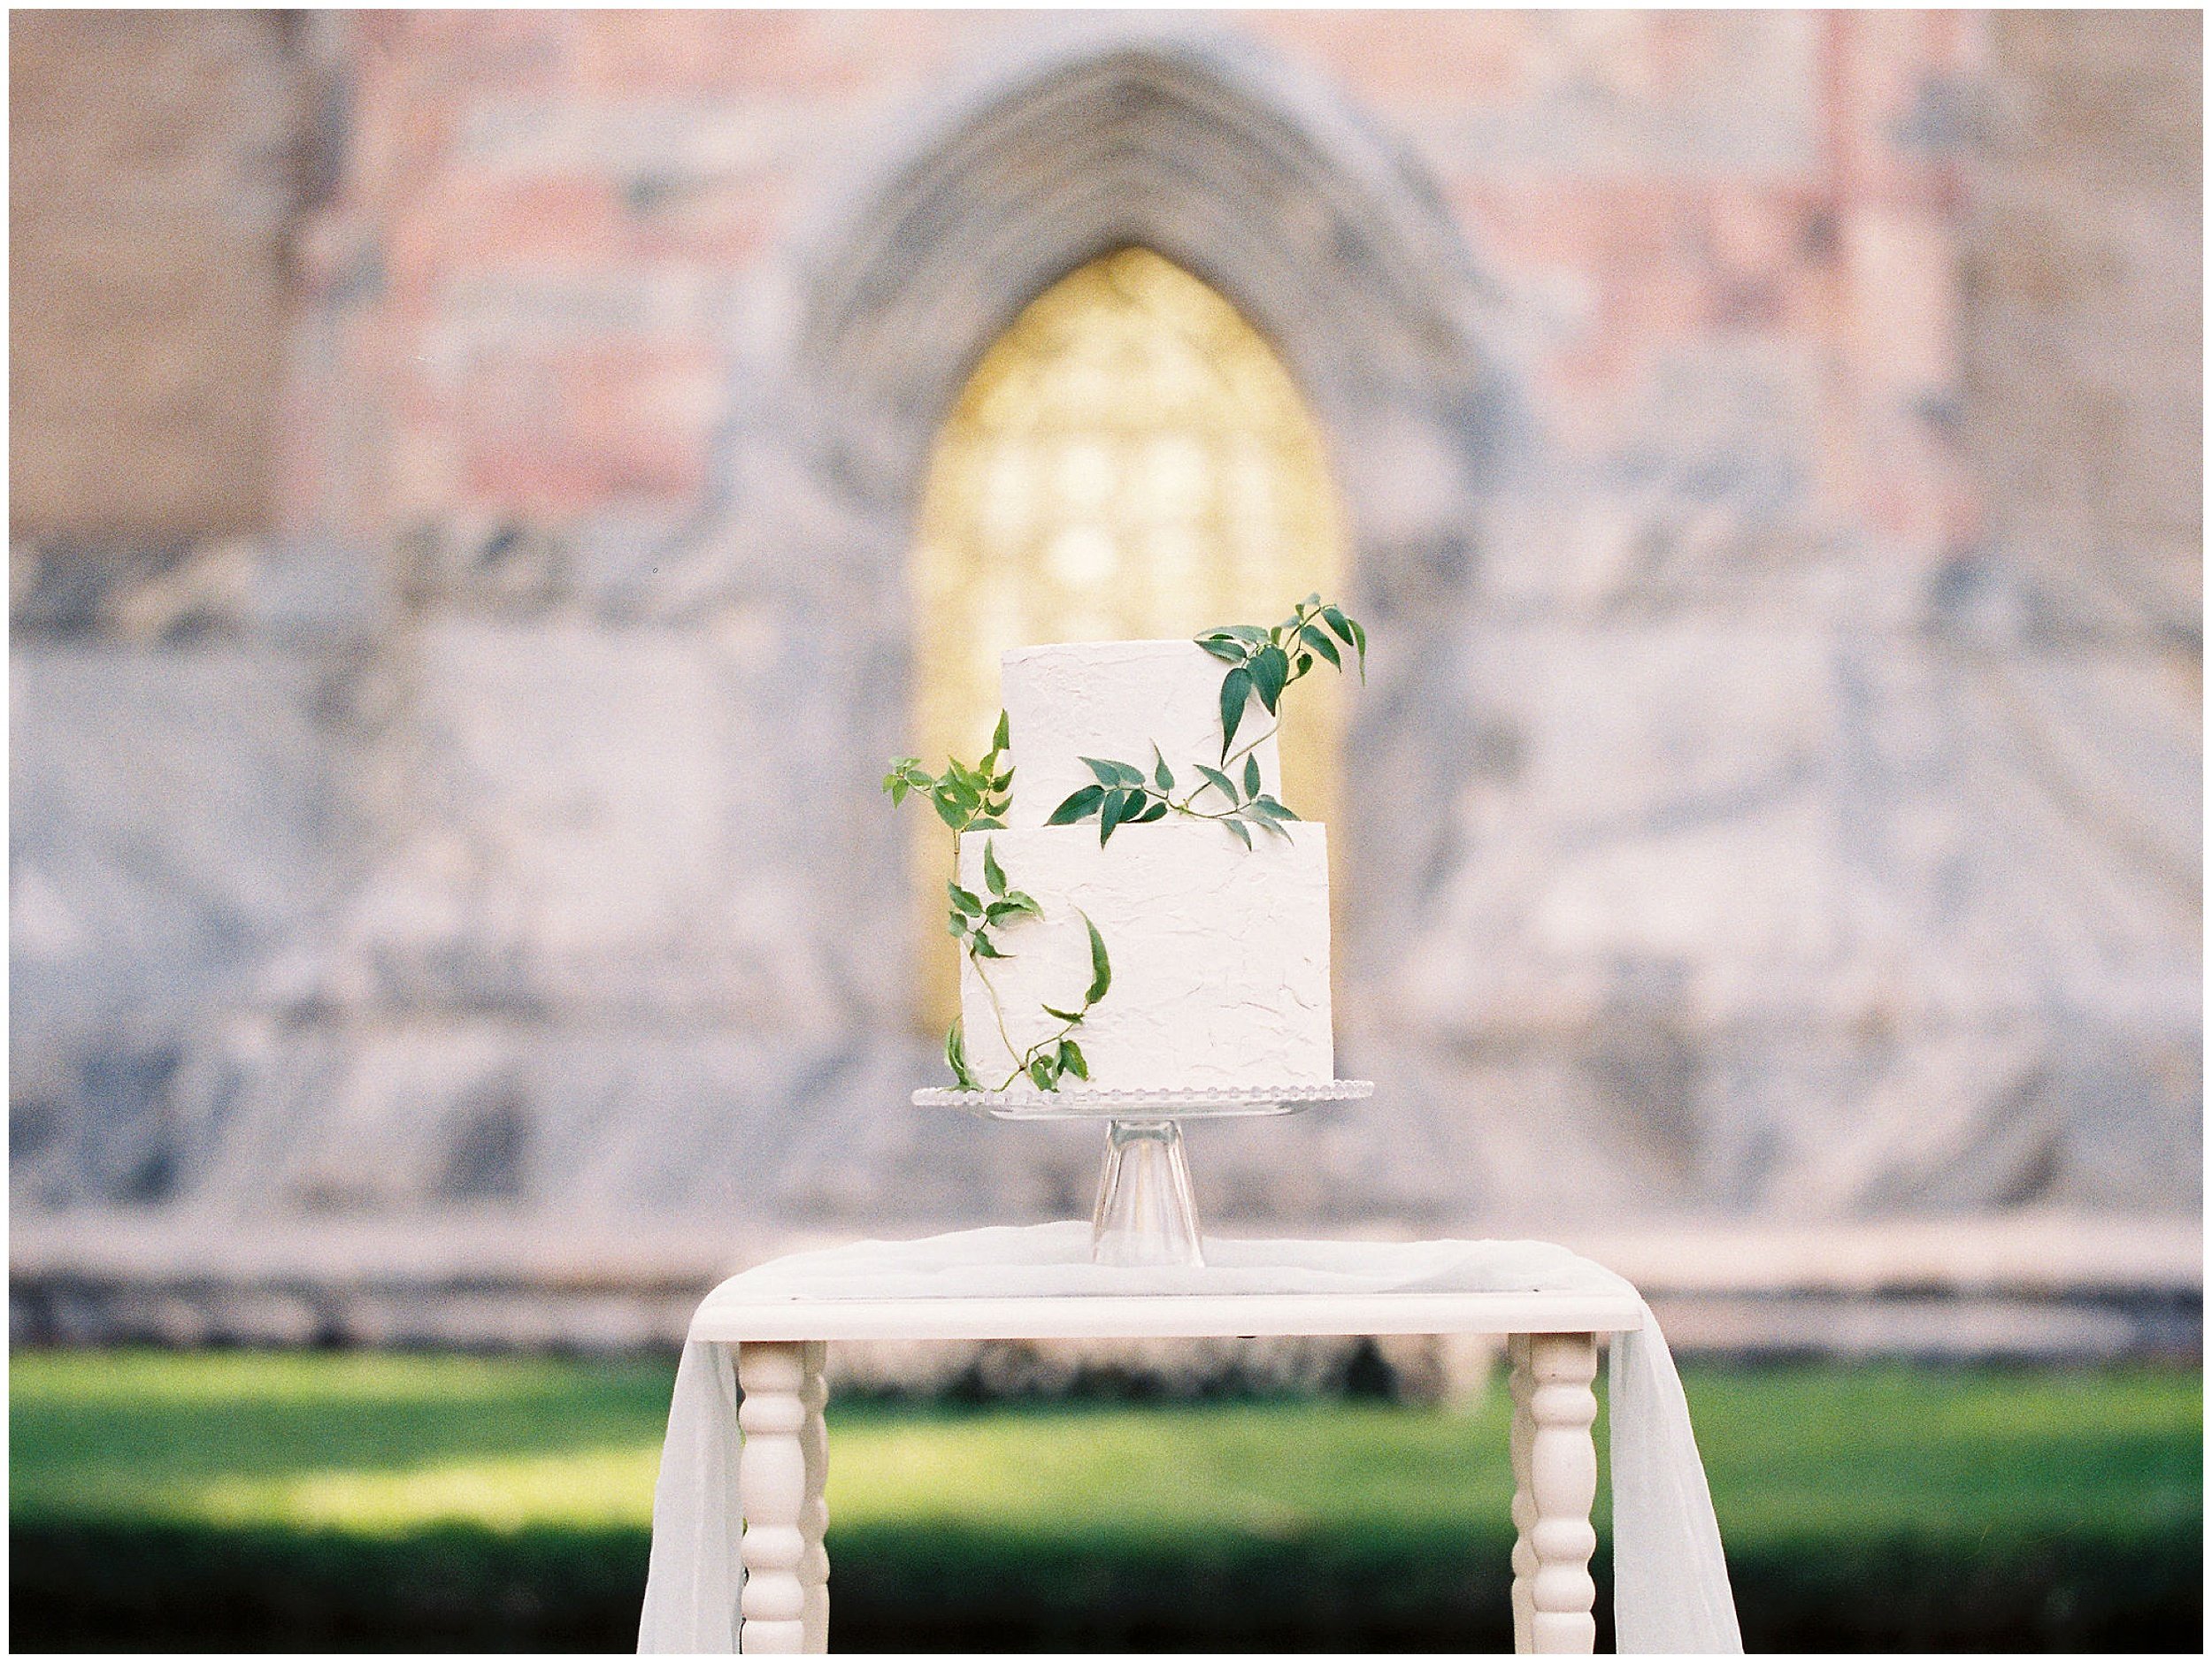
(1671, 1589)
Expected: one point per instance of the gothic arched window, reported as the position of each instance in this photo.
(1130, 459)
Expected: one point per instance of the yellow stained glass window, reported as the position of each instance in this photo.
(1129, 460)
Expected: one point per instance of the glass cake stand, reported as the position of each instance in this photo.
(1146, 1214)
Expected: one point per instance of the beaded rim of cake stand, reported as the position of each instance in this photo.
(1145, 1102)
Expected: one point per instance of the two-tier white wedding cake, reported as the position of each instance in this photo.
(1219, 939)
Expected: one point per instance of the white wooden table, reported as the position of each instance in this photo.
(782, 1342)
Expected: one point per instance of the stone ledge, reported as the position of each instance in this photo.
(2028, 1255)
(2031, 1286)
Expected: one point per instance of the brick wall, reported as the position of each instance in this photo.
(548, 217)
(524, 291)
(158, 163)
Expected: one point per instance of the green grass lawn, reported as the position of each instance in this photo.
(261, 1500)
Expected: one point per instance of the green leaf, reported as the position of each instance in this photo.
(1041, 1071)
(1271, 809)
(1243, 836)
(999, 737)
(1321, 644)
(989, 823)
(956, 1057)
(1252, 775)
(1311, 600)
(1341, 624)
(966, 900)
(994, 874)
(999, 782)
(1221, 647)
(1028, 903)
(1219, 781)
(1251, 633)
(957, 924)
(1078, 806)
(1359, 635)
(999, 911)
(983, 948)
(1304, 663)
(950, 812)
(1162, 776)
(1236, 687)
(1157, 811)
(1071, 1060)
(1270, 668)
(1108, 774)
(1101, 972)
(1064, 1015)
(1118, 804)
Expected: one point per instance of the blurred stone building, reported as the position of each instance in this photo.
(466, 471)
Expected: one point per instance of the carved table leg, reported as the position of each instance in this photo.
(1556, 1473)
(1517, 1385)
(771, 1492)
(814, 1517)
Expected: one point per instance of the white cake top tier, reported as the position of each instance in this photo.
(1116, 701)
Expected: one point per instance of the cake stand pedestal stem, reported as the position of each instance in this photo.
(1146, 1214)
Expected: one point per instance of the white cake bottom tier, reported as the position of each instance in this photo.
(1220, 955)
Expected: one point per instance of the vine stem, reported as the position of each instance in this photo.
(1244, 749)
(1184, 807)
(1022, 1058)
(998, 1013)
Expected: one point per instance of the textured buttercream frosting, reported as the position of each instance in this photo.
(1117, 699)
(1220, 954)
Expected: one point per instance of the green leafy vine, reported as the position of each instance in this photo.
(975, 799)
(1125, 796)
(1261, 660)
(966, 799)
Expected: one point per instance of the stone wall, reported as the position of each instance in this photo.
(498, 834)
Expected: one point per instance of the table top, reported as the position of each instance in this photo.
(1037, 1283)
(731, 1315)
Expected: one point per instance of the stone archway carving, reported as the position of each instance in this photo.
(1231, 164)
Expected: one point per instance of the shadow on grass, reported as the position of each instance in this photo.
(78, 1587)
